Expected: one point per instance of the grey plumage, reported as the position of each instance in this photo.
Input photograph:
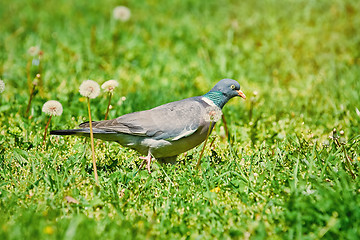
(164, 131)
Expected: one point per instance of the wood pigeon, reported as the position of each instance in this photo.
(165, 131)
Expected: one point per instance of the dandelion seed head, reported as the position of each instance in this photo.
(109, 86)
(89, 88)
(2, 86)
(213, 114)
(121, 13)
(34, 51)
(35, 82)
(122, 100)
(52, 108)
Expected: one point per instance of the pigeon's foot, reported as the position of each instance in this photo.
(146, 159)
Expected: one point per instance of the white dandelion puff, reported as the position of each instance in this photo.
(109, 86)
(2, 86)
(52, 108)
(213, 114)
(90, 89)
(34, 51)
(121, 13)
(121, 100)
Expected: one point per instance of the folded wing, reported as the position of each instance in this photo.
(171, 121)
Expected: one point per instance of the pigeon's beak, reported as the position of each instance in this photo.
(241, 94)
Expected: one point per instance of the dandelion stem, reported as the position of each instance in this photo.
(40, 80)
(30, 99)
(28, 65)
(46, 127)
(251, 108)
(92, 142)
(115, 38)
(108, 107)
(203, 148)
(93, 39)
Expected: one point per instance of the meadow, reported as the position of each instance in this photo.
(288, 170)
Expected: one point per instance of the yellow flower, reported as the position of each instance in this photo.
(49, 230)
(215, 190)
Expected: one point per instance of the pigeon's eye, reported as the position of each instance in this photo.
(232, 87)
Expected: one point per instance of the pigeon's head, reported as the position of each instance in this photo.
(229, 87)
(223, 91)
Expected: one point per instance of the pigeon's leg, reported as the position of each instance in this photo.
(146, 159)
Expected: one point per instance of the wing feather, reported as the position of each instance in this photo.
(171, 121)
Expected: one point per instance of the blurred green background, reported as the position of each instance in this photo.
(302, 57)
(297, 61)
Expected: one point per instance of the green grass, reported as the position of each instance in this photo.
(278, 177)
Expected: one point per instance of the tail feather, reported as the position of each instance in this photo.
(69, 132)
(103, 123)
(85, 124)
(85, 132)
(81, 131)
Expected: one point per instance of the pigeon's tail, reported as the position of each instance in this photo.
(85, 132)
(102, 124)
(81, 132)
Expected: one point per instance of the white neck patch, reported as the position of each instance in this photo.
(208, 101)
